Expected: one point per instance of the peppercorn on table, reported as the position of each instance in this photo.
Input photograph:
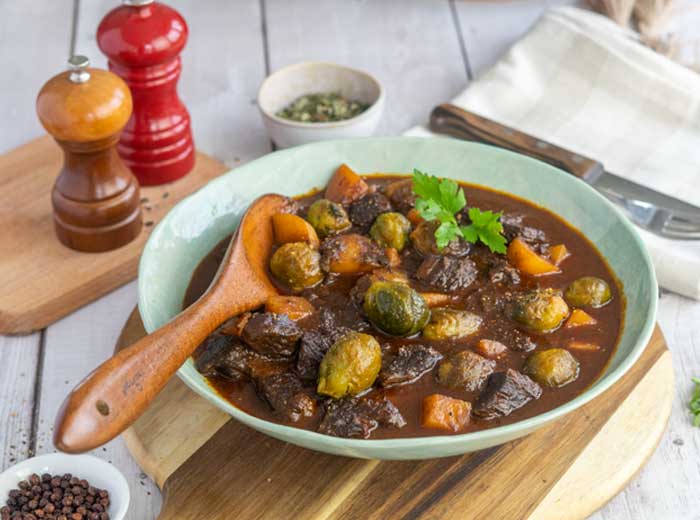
(423, 52)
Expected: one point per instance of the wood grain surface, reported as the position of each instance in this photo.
(206, 464)
(43, 279)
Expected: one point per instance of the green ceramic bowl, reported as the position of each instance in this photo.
(197, 223)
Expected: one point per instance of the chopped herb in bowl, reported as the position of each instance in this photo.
(322, 108)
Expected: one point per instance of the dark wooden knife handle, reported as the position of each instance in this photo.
(451, 120)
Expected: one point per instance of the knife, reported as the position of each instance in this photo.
(659, 213)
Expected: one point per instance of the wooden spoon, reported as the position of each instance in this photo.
(117, 392)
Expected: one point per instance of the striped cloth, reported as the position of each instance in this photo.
(580, 81)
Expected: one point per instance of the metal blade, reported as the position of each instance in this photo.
(617, 187)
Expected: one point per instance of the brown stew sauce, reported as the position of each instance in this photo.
(585, 260)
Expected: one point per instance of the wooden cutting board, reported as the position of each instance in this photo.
(210, 466)
(43, 280)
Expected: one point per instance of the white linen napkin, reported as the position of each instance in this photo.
(582, 82)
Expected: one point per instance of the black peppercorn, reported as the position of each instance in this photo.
(55, 497)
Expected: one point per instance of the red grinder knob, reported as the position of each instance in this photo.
(142, 40)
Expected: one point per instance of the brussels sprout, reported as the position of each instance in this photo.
(423, 240)
(350, 366)
(396, 308)
(588, 291)
(297, 265)
(542, 310)
(554, 367)
(451, 323)
(391, 230)
(327, 217)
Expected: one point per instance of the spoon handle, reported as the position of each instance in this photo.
(117, 392)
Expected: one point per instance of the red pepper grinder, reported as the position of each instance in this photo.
(143, 40)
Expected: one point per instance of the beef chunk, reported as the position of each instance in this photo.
(447, 274)
(401, 195)
(357, 293)
(513, 227)
(272, 334)
(213, 353)
(315, 343)
(505, 392)
(465, 370)
(353, 417)
(225, 356)
(513, 338)
(410, 363)
(518, 340)
(502, 272)
(362, 212)
(285, 394)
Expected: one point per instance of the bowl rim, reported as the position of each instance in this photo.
(336, 444)
(367, 114)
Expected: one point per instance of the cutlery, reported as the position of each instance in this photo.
(661, 214)
(117, 392)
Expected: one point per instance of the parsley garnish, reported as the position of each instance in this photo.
(441, 199)
(695, 402)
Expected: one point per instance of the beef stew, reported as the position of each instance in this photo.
(379, 333)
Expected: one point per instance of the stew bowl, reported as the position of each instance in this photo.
(198, 223)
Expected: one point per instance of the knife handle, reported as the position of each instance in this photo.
(451, 120)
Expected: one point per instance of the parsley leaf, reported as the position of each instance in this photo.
(440, 199)
(426, 187)
(487, 227)
(694, 404)
(445, 233)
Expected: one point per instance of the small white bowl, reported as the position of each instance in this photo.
(289, 83)
(98, 472)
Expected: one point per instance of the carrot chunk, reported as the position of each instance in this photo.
(490, 348)
(445, 413)
(435, 299)
(579, 318)
(558, 253)
(346, 186)
(393, 256)
(295, 307)
(351, 254)
(527, 261)
(414, 217)
(292, 228)
(584, 346)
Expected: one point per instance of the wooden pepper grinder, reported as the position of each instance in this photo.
(143, 40)
(96, 198)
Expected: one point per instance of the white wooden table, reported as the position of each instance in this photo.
(424, 52)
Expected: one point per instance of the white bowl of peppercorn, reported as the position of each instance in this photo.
(317, 101)
(59, 486)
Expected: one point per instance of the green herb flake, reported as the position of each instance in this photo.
(322, 108)
(441, 199)
(694, 404)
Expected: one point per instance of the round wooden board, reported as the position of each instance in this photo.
(209, 466)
